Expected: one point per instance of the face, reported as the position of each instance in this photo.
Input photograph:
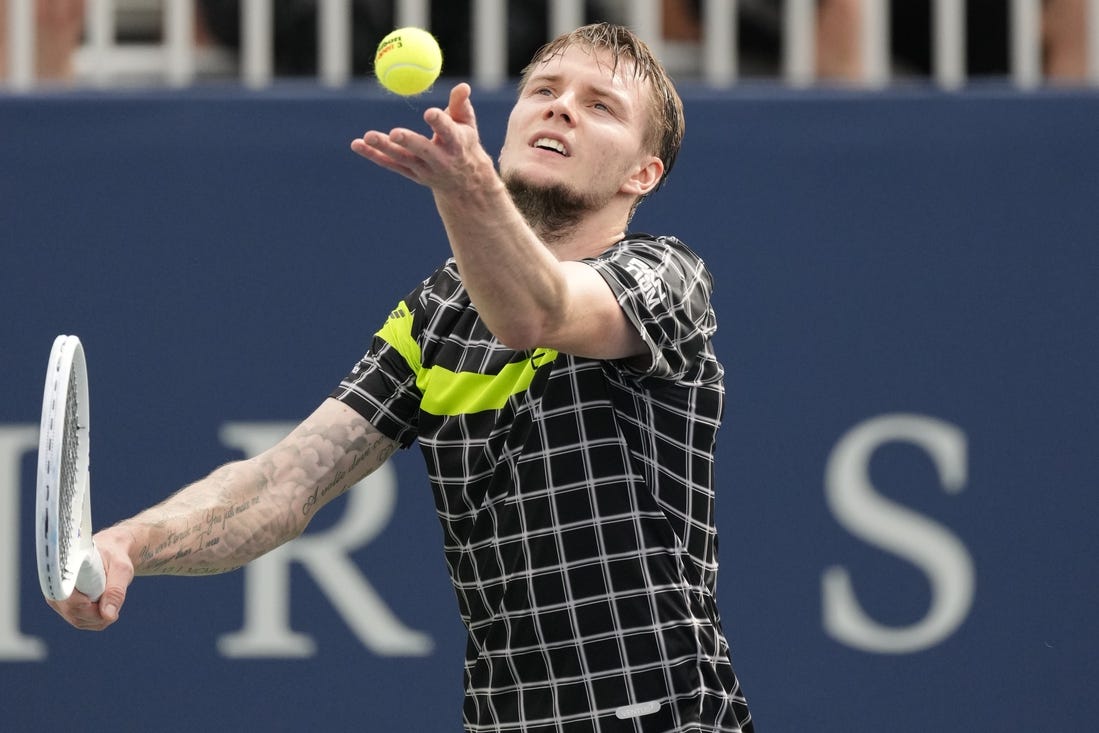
(577, 128)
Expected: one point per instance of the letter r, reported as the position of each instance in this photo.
(324, 554)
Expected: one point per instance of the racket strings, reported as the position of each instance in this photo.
(70, 471)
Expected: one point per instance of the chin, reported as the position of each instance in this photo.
(548, 205)
(532, 175)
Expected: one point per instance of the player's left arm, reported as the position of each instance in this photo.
(591, 322)
(526, 296)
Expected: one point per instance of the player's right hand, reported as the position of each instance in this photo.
(114, 548)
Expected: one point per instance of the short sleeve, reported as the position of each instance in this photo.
(382, 385)
(664, 289)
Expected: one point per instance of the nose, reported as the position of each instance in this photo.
(561, 107)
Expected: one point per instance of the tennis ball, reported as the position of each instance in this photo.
(408, 61)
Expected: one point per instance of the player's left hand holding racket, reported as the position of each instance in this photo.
(68, 559)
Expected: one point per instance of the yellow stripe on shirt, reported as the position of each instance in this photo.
(446, 392)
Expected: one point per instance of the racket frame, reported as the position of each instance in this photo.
(81, 567)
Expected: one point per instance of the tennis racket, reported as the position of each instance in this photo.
(67, 557)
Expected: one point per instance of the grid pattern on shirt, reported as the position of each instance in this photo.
(578, 517)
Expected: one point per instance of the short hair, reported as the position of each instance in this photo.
(666, 122)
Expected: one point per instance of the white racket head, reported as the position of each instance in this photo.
(67, 557)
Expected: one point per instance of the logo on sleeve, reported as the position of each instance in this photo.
(650, 284)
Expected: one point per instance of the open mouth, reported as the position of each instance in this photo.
(545, 143)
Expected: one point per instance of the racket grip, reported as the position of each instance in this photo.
(91, 580)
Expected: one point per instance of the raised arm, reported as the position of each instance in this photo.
(238, 512)
(527, 295)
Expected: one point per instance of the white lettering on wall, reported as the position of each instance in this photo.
(325, 554)
(15, 442)
(885, 524)
(266, 632)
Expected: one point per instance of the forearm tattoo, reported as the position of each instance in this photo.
(250, 507)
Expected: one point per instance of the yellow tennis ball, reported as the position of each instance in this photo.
(408, 61)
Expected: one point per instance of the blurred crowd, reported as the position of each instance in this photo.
(838, 28)
(60, 29)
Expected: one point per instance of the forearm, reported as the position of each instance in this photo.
(247, 508)
(512, 277)
(522, 275)
(212, 526)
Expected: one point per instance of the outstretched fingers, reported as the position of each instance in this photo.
(390, 151)
(448, 124)
(460, 107)
(433, 162)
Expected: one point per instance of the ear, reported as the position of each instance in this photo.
(645, 177)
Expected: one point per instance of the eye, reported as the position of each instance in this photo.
(544, 91)
(604, 108)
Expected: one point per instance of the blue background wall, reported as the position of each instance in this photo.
(225, 258)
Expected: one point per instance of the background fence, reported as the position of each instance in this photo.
(154, 41)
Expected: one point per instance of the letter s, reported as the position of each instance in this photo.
(897, 529)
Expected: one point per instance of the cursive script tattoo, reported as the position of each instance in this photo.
(247, 508)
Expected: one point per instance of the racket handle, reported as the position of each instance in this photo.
(92, 580)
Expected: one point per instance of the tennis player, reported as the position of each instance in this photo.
(559, 375)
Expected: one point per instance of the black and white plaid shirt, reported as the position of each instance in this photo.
(576, 498)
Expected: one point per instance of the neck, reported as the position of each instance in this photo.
(580, 241)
